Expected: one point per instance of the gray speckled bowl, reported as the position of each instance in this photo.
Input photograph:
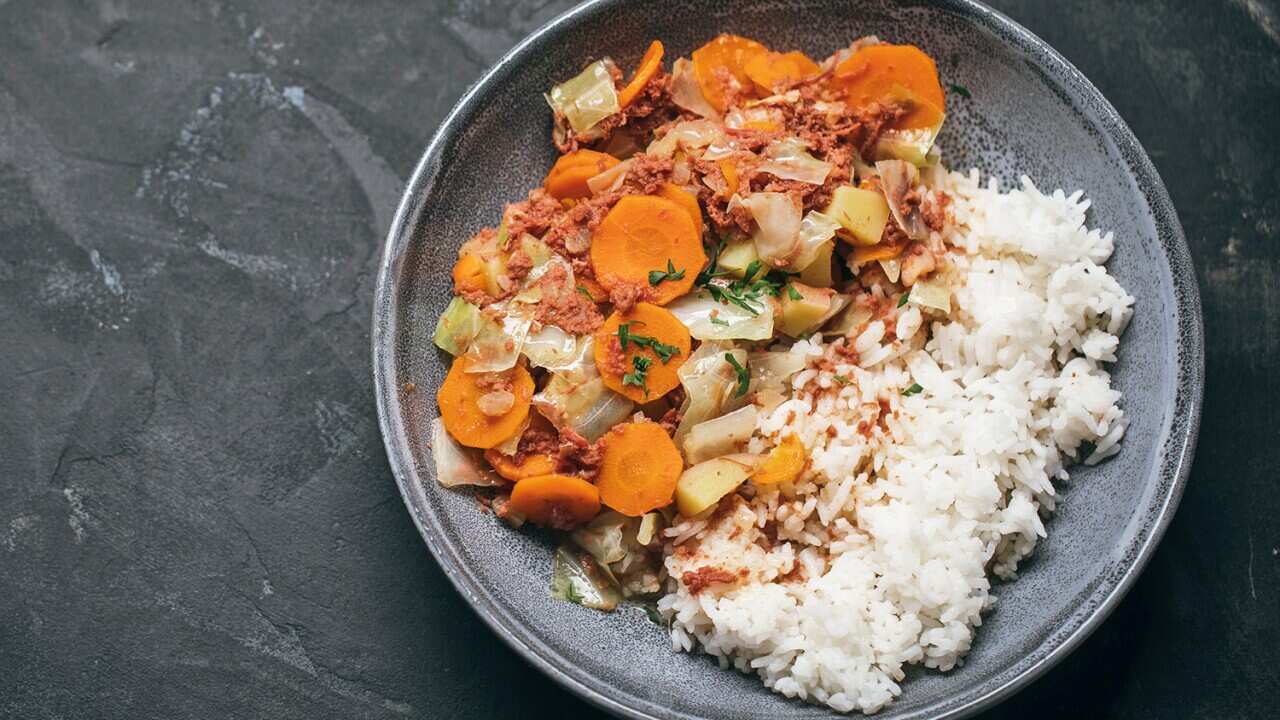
(1031, 112)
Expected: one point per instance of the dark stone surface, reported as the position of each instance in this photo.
(196, 516)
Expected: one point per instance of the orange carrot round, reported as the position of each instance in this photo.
(469, 274)
(646, 368)
(769, 70)
(644, 233)
(725, 53)
(684, 199)
(870, 75)
(650, 64)
(568, 177)
(639, 468)
(557, 501)
(529, 466)
(460, 400)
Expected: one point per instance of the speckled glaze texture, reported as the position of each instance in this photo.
(1030, 113)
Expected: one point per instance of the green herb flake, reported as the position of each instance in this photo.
(913, 390)
(905, 297)
(658, 276)
(960, 90)
(718, 321)
(662, 350)
(583, 289)
(655, 617)
(843, 380)
(637, 377)
(744, 377)
(793, 293)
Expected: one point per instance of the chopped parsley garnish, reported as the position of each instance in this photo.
(651, 612)
(793, 293)
(843, 380)
(718, 321)
(583, 289)
(662, 350)
(905, 297)
(657, 276)
(744, 292)
(1086, 450)
(744, 377)
(914, 389)
(637, 378)
(960, 90)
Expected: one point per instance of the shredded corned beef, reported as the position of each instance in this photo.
(702, 578)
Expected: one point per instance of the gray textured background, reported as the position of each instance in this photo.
(196, 516)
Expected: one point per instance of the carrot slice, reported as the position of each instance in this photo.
(730, 172)
(594, 289)
(639, 467)
(883, 251)
(557, 501)
(729, 53)
(460, 404)
(769, 70)
(530, 466)
(684, 199)
(870, 75)
(469, 274)
(568, 177)
(638, 371)
(650, 64)
(643, 233)
(783, 464)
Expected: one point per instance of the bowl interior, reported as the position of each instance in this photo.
(1029, 114)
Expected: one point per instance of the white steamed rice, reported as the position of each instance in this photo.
(881, 556)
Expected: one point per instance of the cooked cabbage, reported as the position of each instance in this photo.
(777, 236)
(933, 293)
(603, 537)
(710, 385)
(552, 348)
(610, 179)
(685, 91)
(720, 436)
(685, 135)
(709, 319)
(789, 159)
(457, 327)
(771, 369)
(586, 99)
(457, 465)
(897, 178)
(577, 398)
(497, 345)
(849, 320)
(574, 580)
(815, 230)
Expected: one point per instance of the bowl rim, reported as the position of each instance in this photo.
(1179, 447)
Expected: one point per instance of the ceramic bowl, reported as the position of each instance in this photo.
(1030, 113)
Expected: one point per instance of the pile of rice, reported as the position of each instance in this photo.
(882, 555)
